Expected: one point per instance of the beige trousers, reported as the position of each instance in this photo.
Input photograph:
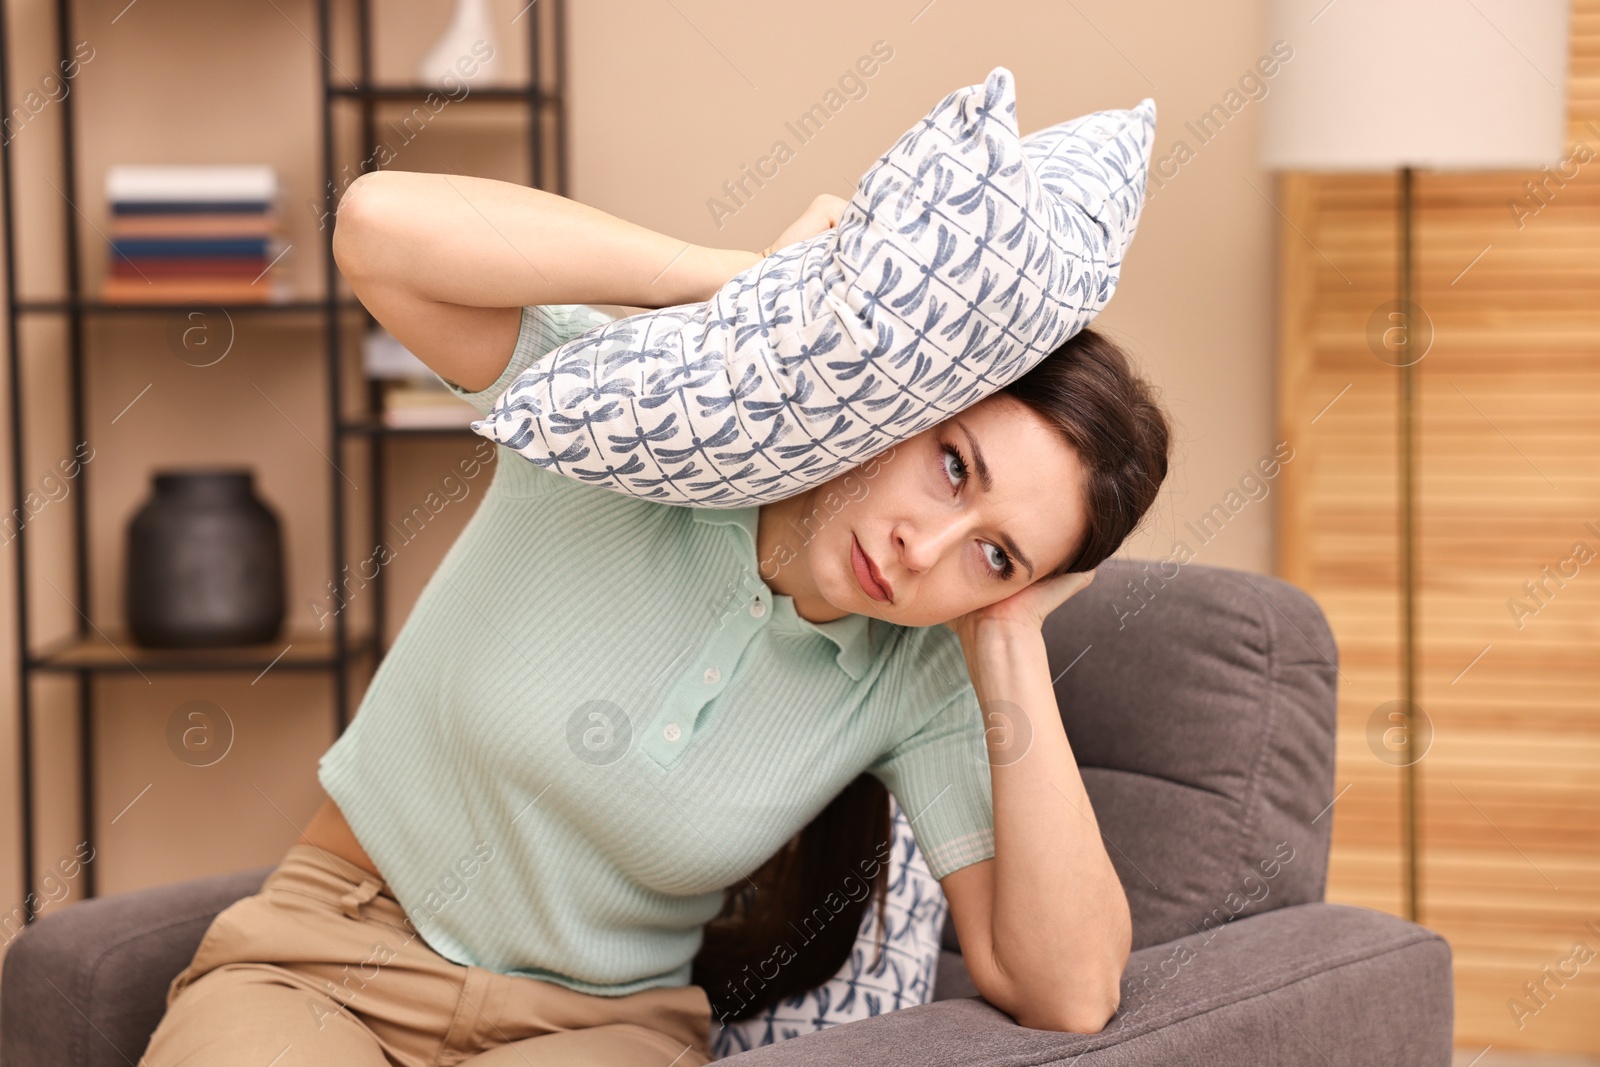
(323, 967)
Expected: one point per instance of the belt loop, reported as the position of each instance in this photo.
(352, 901)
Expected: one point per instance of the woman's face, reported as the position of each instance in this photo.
(941, 541)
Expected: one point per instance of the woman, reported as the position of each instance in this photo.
(605, 713)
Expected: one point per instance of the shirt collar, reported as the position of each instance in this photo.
(852, 633)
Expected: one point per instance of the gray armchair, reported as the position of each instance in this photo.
(1201, 710)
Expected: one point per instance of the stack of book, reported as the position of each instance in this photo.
(413, 396)
(182, 234)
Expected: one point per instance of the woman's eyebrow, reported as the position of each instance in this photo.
(987, 482)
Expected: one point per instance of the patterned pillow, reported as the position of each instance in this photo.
(903, 977)
(967, 254)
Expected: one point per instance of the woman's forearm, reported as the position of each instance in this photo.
(479, 242)
(1060, 923)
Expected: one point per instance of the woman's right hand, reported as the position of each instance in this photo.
(823, 214)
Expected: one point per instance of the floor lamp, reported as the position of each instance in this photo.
(1398, 86)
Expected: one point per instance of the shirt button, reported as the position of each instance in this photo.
(758, 609)
(672, 732)
(712, 674)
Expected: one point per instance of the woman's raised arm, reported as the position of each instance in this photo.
(446, 261)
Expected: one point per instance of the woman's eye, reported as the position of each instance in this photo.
(1001, 568)
(950, 454)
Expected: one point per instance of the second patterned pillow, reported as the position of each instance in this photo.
(869, 983)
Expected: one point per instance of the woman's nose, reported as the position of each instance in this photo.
(925, 545)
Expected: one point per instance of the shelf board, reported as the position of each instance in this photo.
(419, 92)
(310, 651)
(102, 307)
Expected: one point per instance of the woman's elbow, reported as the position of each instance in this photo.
(1081, 1014)
(355, 220)
(1074, 1020)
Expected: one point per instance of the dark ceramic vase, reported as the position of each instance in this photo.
(205, 563)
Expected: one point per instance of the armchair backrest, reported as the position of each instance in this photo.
(1200, 703)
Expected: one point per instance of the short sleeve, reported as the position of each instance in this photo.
(544, 327)
(940, 776)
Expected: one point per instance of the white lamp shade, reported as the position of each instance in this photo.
(1381, 84)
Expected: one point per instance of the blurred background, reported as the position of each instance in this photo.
(1260, 295)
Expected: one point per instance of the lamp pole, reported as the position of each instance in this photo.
(1408, 595)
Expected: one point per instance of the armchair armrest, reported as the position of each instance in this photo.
(85, 986)
(1315, 984)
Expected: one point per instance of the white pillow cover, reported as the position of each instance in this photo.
(904, 976)
(967, 254)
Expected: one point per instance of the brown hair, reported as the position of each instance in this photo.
(781, 917)
(1088, 390)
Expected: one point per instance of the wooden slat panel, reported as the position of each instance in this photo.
(1508, 433)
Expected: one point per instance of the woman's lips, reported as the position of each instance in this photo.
(864, 576)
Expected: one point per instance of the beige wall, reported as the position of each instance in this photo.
(668, 101)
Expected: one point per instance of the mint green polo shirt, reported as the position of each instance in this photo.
(597, 716)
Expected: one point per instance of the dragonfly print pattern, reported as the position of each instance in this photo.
(966, 255)
(868, 984)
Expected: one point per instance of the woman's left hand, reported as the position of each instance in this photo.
(1027, 607)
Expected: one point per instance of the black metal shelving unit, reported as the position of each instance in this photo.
(87, 653)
